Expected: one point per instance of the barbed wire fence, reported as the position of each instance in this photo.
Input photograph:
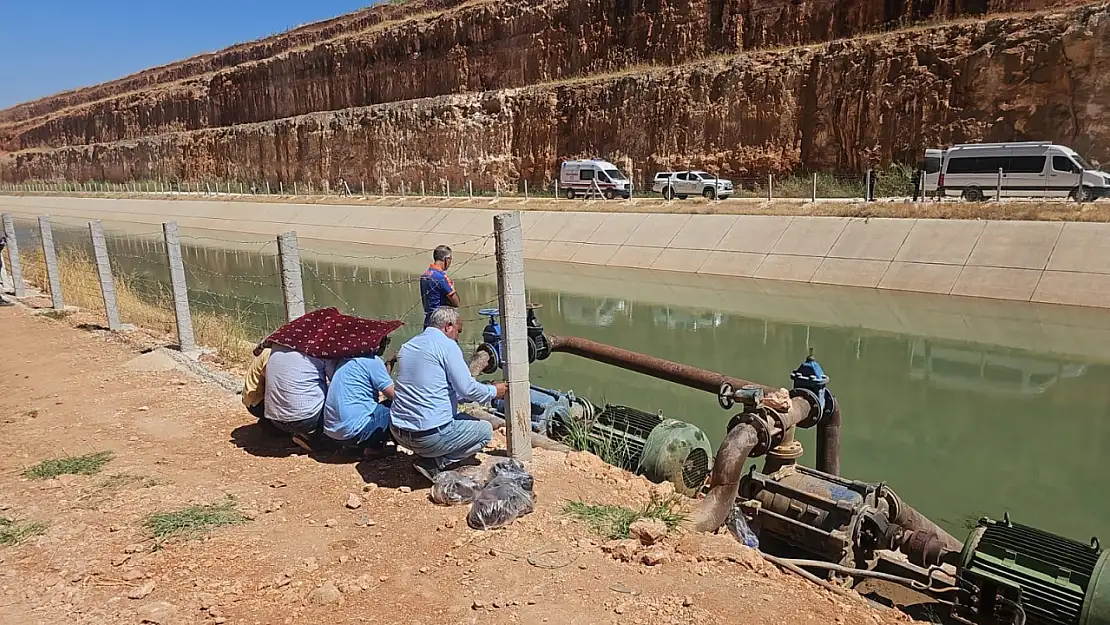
(234, 290)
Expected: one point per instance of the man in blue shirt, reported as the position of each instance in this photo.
(432, 378)
(436, 289)
(353, 415)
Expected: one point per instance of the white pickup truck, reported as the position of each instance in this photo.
(682, 184)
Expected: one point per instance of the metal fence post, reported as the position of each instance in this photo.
(998, 187)
(186, 340)
(770, 187)
(13, 257)
(51, 260)
(104, 271)
(813, 193)
(292, 289)
(511, 294)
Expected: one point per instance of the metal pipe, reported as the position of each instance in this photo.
(828, 442)
(794, 568)
(693, 377)
(847, 570)
(728, 465)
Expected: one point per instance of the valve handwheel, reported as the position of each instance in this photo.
(725, 396)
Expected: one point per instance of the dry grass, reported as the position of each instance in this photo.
(226, 334)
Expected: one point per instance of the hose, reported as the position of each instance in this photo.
(887, 577)
(794, 568)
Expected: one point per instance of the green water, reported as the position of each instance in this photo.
(1014, 417)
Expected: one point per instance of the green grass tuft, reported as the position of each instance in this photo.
(612, 447)
(613, 521)
(13, 532)
(119, 480)
(194, 521)
(87, 464)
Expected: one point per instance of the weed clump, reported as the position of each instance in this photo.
(613, 521)
(87, 464)
(194, 521)
(13, 532)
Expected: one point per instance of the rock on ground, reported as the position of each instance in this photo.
(648, 531)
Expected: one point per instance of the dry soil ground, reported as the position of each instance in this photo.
(304, 556)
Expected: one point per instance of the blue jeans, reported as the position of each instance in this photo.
(376, 432)
(457, 440)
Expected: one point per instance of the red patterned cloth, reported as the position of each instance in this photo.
(328, 333)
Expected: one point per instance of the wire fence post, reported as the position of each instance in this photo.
(292, 288)
(51, 260)
(186, 340)
(13, 257)
(770, 187)
(813, 192)
(104, 271)
(510, 290)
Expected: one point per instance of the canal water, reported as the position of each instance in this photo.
(965, 407)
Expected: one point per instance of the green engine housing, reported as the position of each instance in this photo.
(1055, 580)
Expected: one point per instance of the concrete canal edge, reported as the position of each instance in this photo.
(1045, 262)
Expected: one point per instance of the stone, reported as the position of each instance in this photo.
(326, 594)
(353, 502)
(648, 531)
(331, 523)
(623, 550)
(159, 612)
(369, 488)
(309, 564)
(687, 601)
(405, 489)
(141, 592)
(655, 556)
(478, 605)
(132, 575)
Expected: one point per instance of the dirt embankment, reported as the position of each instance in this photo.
(305, 550)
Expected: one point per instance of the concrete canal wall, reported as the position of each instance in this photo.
(1049, 262)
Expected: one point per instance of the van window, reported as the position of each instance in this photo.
(931, 165)
(1025, 165)
(586, 174)
(615, 174)
(602, 177)
(1063, 163)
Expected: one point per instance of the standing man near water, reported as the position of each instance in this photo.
(436, 289)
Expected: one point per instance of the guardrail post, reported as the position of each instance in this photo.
(13, 257)
(186, 340)
(510, 290)
(104, 272)
(53, 276)
(292, 288)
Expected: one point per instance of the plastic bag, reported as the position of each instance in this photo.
(499, 503)
(514, 471)
(450, 488)
(738, 526)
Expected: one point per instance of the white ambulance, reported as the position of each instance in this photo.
(593, 177)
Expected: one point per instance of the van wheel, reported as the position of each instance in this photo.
(683, 197)
(668, 193)
(1082, 194)
(570, 194)
(609, 194)
(710, 193)
(973, 194)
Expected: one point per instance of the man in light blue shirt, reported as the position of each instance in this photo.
(353, 416)
(432, 378)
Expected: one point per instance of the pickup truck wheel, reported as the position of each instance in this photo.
(668, 193)
(570, 194)
(609, 194)
(710, 193)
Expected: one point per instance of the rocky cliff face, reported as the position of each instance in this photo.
(499, 92)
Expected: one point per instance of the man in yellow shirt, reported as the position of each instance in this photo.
(254, 383)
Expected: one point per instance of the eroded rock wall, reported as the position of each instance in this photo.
(455, 47)
(842, 106)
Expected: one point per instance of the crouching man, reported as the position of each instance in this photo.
(254, 383)
(356, 413)
(296, 387)
(432, 377)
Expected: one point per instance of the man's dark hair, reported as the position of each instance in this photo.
(441, 253)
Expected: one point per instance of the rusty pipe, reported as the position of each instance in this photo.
(828, 442)
(693, 377)
(728, 465)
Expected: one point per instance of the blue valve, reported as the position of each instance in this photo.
(810, 381)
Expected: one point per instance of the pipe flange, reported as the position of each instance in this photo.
(493, 362)
(790, 451)
(763, 431)
(814, 417)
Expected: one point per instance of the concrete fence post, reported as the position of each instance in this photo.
(402, 189)
(267, 187)
(281, 187)
(361, 187)
(770, 187)
(13, 257)
(470, 189)
(292, 288)
(186, 340)
(813, 192)
(53, 276)
(514, 325)
(294, 187)
(422, 194)
(526, 189)
(998, 187)
(556, 189)
(867, 186)
(447, 188)
(104, 272)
